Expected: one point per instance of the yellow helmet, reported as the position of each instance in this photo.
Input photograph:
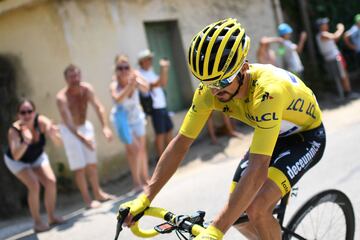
(218, 51)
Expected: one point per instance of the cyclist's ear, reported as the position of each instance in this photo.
(244, 67)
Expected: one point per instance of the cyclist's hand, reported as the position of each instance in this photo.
(210, 233)
(137, 208)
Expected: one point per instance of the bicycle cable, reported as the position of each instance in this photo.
(181, 234)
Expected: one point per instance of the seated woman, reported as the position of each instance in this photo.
(129, 118)
(26, 159)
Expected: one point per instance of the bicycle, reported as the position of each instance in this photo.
(332, 202)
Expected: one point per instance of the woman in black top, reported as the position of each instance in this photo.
(27, 160)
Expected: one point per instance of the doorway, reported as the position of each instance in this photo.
(165, 41)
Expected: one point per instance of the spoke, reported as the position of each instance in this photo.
(326, 221)
(312, 224)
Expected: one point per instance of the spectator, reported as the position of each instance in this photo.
(78, 133)
(265, 54)
(352, 39)
(26, 159)
(129, 118)
(161, 121)
(291, 50)
(334, 61)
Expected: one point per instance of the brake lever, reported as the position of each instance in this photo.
(123, 212)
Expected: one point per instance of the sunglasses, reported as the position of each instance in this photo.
(122, 67)
(24, 112)
(223, 83)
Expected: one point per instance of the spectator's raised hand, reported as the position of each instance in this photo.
(26, 133)
(340, 26)
(132, 80)
(303, 35)
(164, 62)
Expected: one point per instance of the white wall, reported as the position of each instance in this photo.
(45, 36)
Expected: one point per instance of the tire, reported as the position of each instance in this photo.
(327, 215)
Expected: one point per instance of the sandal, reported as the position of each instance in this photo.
(57, 221)
(41, 228)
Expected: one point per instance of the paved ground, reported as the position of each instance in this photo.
(202, 183)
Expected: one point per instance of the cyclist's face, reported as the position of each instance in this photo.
(225, 94)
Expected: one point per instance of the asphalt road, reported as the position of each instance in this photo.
(203, 184)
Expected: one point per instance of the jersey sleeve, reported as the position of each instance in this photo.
(267, 113)
(198, 113)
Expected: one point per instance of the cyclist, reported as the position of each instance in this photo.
(288, 140)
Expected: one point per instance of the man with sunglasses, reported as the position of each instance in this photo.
(288, 139)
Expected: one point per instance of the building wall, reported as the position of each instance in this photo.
(42, 37)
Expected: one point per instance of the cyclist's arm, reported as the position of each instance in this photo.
(245, 191)
(192, 125)
(168, 163)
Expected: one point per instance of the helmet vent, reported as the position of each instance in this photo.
(211, 33)
(242, 42)
(226, 52)
(223, 60)
(236, 33)
(204, 31)
(195, 53)
(213, 54)
(189, 55)
(202, 55)
(223, 32)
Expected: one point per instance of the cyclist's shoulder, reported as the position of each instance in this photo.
(266, 74)
(265, 79)
(203, 91)
(203, 97)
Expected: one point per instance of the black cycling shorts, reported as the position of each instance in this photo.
(293, 156)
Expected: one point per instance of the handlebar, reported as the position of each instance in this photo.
(191, 224)
(152, 212)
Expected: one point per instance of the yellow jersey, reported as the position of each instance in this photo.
(278, 104)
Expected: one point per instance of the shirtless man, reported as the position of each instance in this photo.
(78, 133)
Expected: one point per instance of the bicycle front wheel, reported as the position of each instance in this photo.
(328, 215)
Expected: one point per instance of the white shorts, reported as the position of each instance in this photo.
(77, 153)
(17, 166)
